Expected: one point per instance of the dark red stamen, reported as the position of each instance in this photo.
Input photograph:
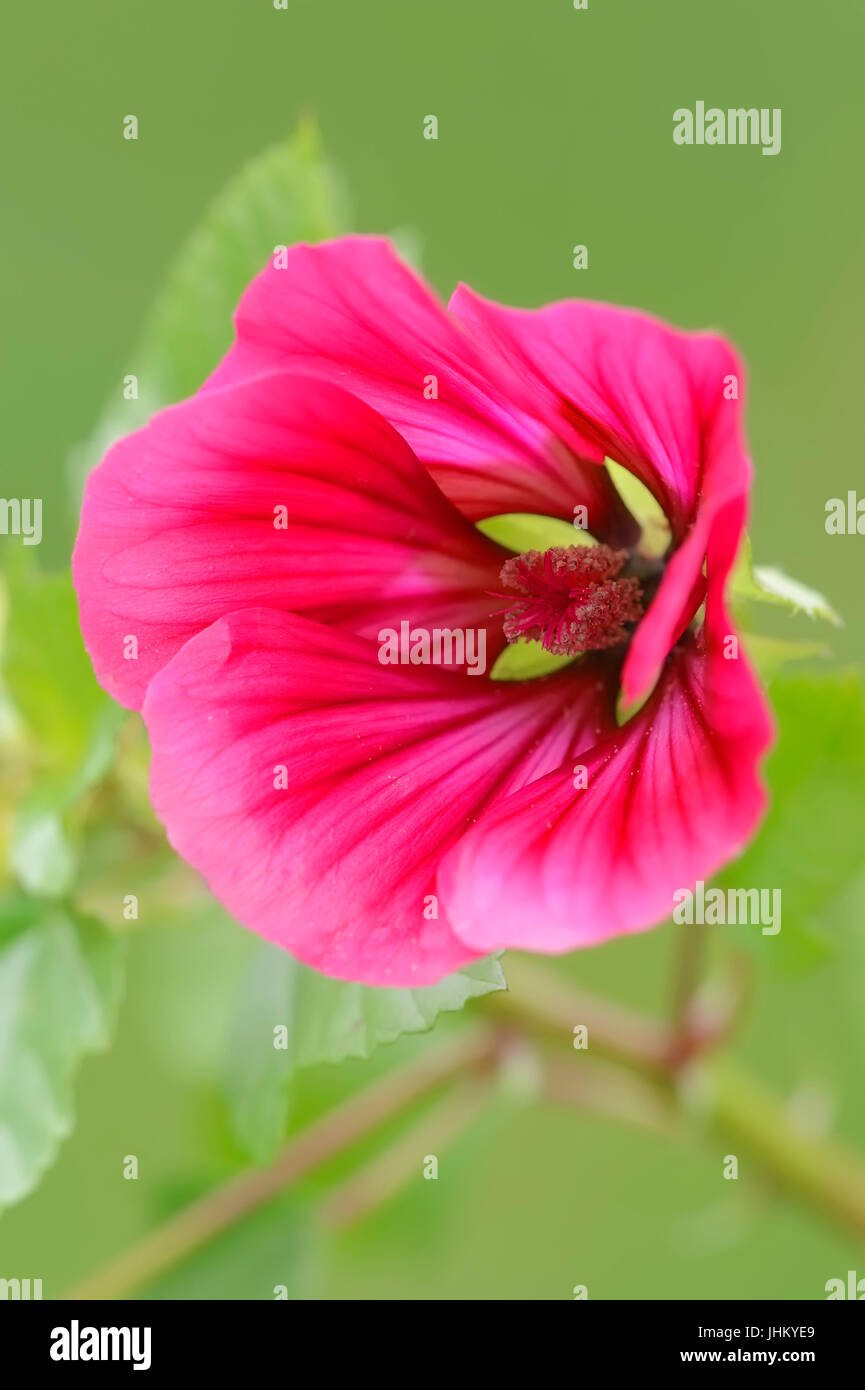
(571, 598)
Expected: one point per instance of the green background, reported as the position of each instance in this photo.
(555, 127)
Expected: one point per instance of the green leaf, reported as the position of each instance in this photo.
(770, 655)
(40, 854)
(69, 721)
(764, 584)
(408, 244)
(810, 846)
(60, 979)
(66, 723)
(325, 1020)
(286, 195)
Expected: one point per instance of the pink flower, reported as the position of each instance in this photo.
(389, 823)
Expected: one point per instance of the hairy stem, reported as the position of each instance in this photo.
(388, 1172)
(820, 1172)
(472, 1050)
(686, 982)
(817, 1171)
(540, 1001)
(637, 1079)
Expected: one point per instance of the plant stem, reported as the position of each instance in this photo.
(691, 954)
(818, 1171)
(472, 1050)
(606, 1089)
(390, 1171)
(538, 998)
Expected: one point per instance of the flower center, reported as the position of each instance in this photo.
(570, 598)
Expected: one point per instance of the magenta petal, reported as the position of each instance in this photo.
(670, 798)
(715, 539)
(619, 383)
(316, 790)
(351, 311)
(665, 404)
(178, 527)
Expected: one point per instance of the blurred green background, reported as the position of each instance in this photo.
(555, 127)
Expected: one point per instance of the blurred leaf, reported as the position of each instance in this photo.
(70, 721)
(40, 854)
(810, 846)
(60, 979)
(765, 584)
(287, 194)
(68, 724)
(408, 244)
(338, 1019)
(771, 654)
(325, 1020)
